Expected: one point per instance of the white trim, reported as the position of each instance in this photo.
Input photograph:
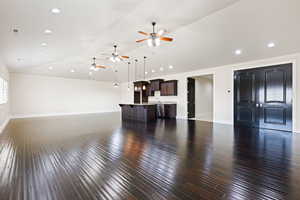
(58, 114)
(3, 126)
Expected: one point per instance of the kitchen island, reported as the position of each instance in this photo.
(139, 112)
(148, 112)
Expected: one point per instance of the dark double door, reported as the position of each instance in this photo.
(263, 97)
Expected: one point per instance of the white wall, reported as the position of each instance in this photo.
(42, 95)
(204, 98)
(4, 108)
(223, 88)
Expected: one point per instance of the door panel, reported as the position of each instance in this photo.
(275, 86)
(263, 97)
(245, 98)
(276, 97)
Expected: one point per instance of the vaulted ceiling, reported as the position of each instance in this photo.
(206, 32)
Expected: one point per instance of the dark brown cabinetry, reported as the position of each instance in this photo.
(168, 88)
(140, 91)
(138, 112)
(155, 85)
(167, 111)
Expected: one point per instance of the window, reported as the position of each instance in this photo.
(3, 91)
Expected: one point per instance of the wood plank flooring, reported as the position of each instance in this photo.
(99, 157)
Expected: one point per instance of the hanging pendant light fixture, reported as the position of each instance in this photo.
(116, 84)
(135, 72)
(144, 86)
(128, 87)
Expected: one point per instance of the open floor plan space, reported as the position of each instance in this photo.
(100, 157)
(149, 100)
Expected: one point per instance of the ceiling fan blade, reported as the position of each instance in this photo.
(143, 33)
(141, 40)
(126, 57)
(166, 39)
(100, 66)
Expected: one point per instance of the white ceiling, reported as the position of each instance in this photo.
(206, 32)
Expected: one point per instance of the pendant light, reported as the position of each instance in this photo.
(135, 72)
(128, 88)
(116, 84)
(144, 86)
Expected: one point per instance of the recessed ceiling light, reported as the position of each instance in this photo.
(152, 70)
(146, 72)
(50, 68)
(44, 44)
(47, 31)
(171, 67)
(271, 45)
(72, 70)
(161, 69)
(238, 52)
(55, 10)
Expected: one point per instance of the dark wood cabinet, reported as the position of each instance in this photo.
(169, 88)
(141, 113)
(140, 87)
(137, 97)
(170, 111)
(150, 92)
(155, 85)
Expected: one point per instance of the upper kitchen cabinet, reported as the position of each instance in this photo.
(168, 88)
(155, 85)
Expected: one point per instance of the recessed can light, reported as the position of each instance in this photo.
(47, 31)
(146, 72)
(171, 67)
(271, 45)
(72, 70)
(44, 44)
(238, 52)
(50, 68)
(161, 69)
(152, 70)
(55, 10)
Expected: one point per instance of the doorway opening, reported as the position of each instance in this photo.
(263, 97)
(201, 98)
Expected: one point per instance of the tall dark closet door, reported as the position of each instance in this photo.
(275, 97)
(263, 97)
(246, 84)
(191, 97)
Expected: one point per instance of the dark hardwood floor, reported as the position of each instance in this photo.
(99, 157)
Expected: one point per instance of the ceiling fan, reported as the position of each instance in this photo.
(96, 67)
(115, 57)
(154, 38)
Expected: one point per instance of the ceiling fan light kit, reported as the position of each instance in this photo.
(154, 39)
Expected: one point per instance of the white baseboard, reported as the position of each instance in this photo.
(58, 114)
(181, 117)
(2, 127)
